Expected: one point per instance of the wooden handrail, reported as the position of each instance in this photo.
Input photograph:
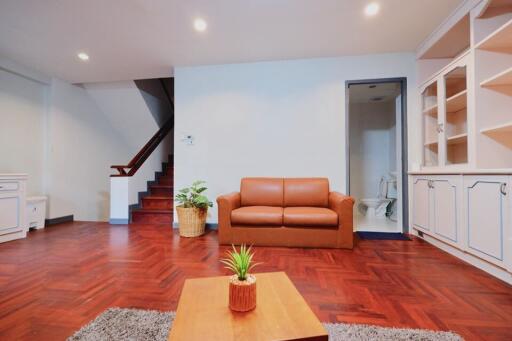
(131, 168)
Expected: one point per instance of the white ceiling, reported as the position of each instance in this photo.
(133, 39)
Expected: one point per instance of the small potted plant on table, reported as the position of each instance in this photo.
(242, 285)
(192, 209)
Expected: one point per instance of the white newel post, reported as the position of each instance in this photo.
(119, 200)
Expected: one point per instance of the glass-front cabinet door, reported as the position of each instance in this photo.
(455, 116)
(445, 117)
(430, 126)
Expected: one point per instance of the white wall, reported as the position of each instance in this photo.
(82, 144)
(22, 128)
(372, 146)
(135, 117)
(125, 109)
(58, 134)
(283, 118)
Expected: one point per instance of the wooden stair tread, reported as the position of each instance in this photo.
(157, 197)
(151, 210)
(156, 206)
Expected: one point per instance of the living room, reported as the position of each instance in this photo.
(194, 170)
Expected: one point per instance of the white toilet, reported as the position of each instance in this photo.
(376, 207)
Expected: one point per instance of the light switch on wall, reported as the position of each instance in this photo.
(188, 139)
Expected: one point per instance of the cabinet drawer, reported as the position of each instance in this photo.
(8, 186)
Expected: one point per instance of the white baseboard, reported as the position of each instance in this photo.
(491, 269)
(13, 236)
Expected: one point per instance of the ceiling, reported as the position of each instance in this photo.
(370, 93)
(134, 39)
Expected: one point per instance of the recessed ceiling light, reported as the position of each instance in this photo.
(371, 9)
(83, 56)
(200, 25)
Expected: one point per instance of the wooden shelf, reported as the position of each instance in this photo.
(431, 143)
(498, 41)
(457, 102)
(452, 43)
(455, 82)
(502, 82)
(505, 128)
(431, 111)
(456, 139)
(501, 133)
(494, 8)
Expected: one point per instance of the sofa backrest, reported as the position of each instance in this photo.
(261, 192)
(288, 192)
(310, 192)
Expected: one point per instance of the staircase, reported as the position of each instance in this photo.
(156, 205)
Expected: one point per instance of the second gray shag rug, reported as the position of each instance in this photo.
(116, 324)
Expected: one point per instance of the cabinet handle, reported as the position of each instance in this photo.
(440, 128)
(430, 184)
(503, 188)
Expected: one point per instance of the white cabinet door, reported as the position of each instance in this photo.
(487, 216)
(445, 208)
(508, 228)
(9, 212)
(421, 203)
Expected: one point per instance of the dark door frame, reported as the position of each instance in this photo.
(404, 158)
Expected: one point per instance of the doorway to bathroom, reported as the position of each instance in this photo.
(377, 155)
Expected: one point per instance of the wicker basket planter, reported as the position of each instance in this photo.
(191, 221)
(242, 294)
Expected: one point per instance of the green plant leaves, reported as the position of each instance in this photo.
(192, 197)
(239, 262)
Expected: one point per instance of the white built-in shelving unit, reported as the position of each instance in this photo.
(445, 116)
(492, 30)
(462, 193)
(467, 123)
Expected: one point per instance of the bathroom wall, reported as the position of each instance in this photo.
(372, 146)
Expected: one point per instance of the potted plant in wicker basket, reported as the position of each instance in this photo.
(192, 209)
(242, 285)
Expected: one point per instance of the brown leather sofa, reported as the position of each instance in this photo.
(298, 212)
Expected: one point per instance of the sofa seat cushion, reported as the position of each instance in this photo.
(310, 216)
(257, 215)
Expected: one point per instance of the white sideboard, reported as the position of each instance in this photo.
(13, 223)
(467, 215)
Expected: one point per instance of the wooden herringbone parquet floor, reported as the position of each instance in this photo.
(60, 278)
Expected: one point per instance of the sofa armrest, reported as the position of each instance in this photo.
(226, 203)
(343, 205)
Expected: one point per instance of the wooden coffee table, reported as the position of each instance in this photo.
(281, 312)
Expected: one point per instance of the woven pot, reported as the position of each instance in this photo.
(191, 221)
(242, 294)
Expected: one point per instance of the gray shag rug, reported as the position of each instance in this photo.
(139, 325)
